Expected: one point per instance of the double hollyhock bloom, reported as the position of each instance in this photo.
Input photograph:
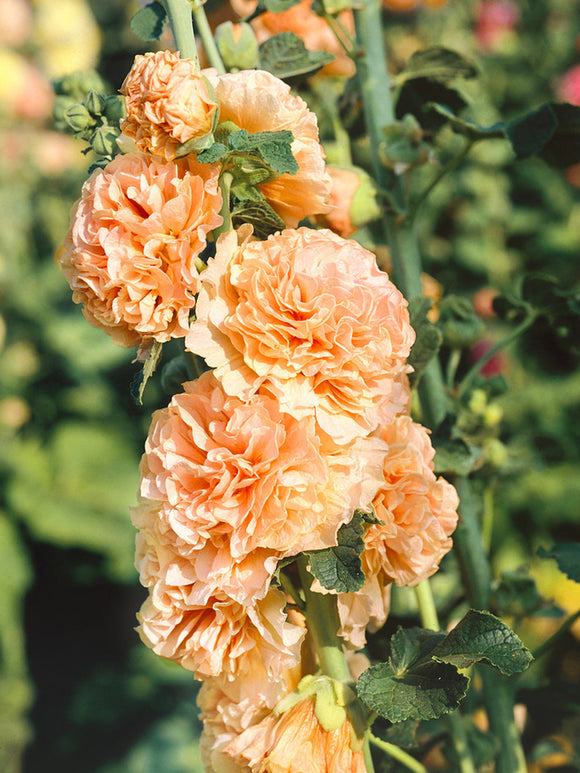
(130, 254)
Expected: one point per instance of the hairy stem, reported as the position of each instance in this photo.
(180, 19)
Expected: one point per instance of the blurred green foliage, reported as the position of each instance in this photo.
(76, 687)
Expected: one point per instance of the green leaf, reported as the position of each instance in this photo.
(286, 56)
(139, 383)
(339, 567)
(253, 208)
(411, 685)
(517, 594)
(214, 154)
(459, 323)
(552, 131)
(417, 97)
(482, 637)
(275, 148)
(470, 128)
(567, 556)
(148, 22)
(428, 337)
(439, 63)
(455, 455)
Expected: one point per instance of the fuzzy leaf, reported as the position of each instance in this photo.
(567, 556)
(148, 22)
(428, 336)
(339, 567)
(212, 155)
(482, 637)
(418, 95)
(455, 455)
(440, 63)
(275, 148)
(470, 128)
(286, 56)
(410, 685)
(250, 206)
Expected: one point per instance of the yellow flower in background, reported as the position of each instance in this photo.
(67, 35)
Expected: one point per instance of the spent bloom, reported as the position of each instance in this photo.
(308, 317)
(135, 234)
(168, 103)
(257, 101)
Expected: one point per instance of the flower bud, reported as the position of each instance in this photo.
(114, 109)
(459, 323)
(94, 102)
(60, 104)
(78, 118)
(103, 140)
(237, 45)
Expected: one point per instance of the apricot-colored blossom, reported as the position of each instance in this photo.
(135, 234)
(313, 29)
(419, 511)
(295, 742)
(234, 477)
(168, 103)
(257, 101)
(352, 199)
(310, 318)
(221, 636)
(404, 5)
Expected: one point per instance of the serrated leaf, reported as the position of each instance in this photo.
(552, 131)
(439, 63)
(567, 556)
(482, 637)
(339, 567)
(139, 382)
(411, 685)
(428, 337)
(275, 148)
(417, 97)
(455, 456)
(286, 56)
(212, 155)
(148, 23)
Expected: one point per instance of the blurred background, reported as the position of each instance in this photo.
(77, 689)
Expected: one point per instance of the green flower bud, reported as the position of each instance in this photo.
(237, 45)
(94, 102)
(78, 118)
(103, 140)
(61, 103)
(114, 109)
(459, 323)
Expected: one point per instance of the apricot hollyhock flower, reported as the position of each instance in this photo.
(353, 201)
(135, 234)
(296, 742)
(257, 101)
(241, 476)
(221, 637)
(168, 103)
(419, 511)
(308, 317)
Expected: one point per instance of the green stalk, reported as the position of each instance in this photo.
(179, 13)
(398, 754)
(323, 623)
(207, 37)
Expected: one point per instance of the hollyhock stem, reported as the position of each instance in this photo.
(207, 38)
(398, 754)
(180, 19)
(323, 624)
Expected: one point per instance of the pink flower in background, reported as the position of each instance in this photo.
(135, 234)
(308, 317)
(257, 101)
(569, 86)
(168, 103)
(494, 18)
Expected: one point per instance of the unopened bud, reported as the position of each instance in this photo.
(94, 102)
(103, 140)
(237, 45)
(114, 109)
(78, 118)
